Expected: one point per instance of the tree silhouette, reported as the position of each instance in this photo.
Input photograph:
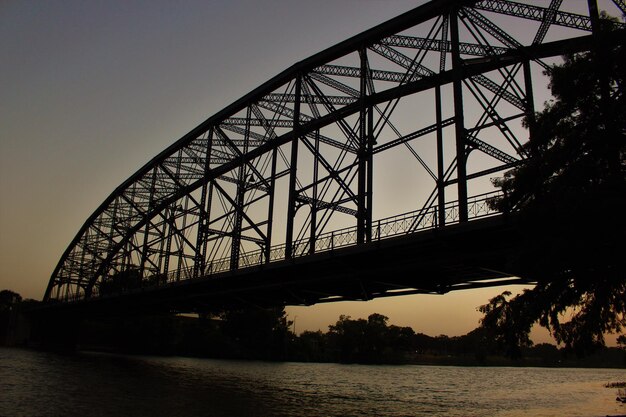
(570, 196)
(256, 333)
(9, 299)
(369, 341)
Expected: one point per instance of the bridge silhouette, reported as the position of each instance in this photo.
(360, 172)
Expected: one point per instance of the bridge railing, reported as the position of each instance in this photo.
(388, 227)
(400, 224)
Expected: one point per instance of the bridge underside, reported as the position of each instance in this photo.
(471, 255)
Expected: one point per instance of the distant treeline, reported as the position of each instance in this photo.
(265, 334)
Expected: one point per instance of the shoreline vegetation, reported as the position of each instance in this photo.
(349, 341)
(265, 334)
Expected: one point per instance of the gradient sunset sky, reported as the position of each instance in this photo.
(91, 90)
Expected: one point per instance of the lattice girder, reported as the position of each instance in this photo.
(289, 169)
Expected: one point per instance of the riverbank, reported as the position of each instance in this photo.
(210, 338)
(265, 334)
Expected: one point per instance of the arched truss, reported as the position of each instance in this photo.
(422, 108)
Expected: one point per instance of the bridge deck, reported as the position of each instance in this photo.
(462, 256)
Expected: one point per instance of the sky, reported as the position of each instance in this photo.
(91, 90)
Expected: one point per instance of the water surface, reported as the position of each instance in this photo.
(92, 384)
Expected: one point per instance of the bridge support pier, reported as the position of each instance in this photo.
(55, 331)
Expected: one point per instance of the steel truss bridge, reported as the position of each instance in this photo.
(292, 194)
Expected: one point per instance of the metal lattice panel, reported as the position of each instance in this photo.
(291, 168)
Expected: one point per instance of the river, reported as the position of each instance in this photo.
(94, 384)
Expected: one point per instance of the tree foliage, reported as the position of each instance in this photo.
(256, 332)
(369, 341)
(570, 199)
(9, 299)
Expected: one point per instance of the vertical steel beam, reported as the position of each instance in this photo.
(313, 226)
(360, 217)
(530, 104)
(444, 40)
(457, 73)
(181, 252)
(370, 172)
(174, 229)
(170, 218)
(441, 183)
(240, 201)
(594, 15)
(362, 224)
(200, 259)
(144, 251)
(209, 205)
(81, 269)
(270, 209)
(293, 193)
(161, 245)
(236, 234)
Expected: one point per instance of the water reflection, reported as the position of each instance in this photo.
(34, 383)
